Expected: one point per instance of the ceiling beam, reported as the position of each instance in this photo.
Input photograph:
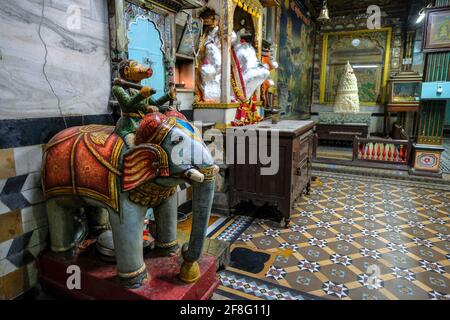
(397, 8)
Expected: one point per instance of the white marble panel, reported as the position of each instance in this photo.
(77, 66)
(6, 267)
(33, 181)
(33, 196)
(230, 115)
(34, 217)
(92, 9)
(376, 124)
(182, 197)
(4, 248)
(63, 5)
(218, 116)
(39, 236)
(2, 184)
(99, 11)
(4, 209)
(186, 100)
(28, 159)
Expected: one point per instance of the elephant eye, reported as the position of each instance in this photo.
(177, 140)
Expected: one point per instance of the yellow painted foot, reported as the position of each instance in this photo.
(189, 272)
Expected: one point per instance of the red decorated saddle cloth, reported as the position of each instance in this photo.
(83, 161)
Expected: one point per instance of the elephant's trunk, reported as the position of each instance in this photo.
(203, 194)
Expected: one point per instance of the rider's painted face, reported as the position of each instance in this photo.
(137, 72)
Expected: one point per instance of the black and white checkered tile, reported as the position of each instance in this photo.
(20, 192)
(23, 218)
(26, 238)
(22, 250)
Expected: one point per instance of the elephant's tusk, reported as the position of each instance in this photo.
(194, 175)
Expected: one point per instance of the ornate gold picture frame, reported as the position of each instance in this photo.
(436, 35)
(368, 51)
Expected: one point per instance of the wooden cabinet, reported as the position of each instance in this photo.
(293, 176)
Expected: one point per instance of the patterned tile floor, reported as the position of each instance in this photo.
(354, 237)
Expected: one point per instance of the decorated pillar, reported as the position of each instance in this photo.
(226, 18)
(435, 95)
(117, 31)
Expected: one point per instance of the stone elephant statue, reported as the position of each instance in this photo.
(90, 166)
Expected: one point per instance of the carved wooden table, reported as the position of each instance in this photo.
(293, 176)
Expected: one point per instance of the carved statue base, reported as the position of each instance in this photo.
(345, 117)
(99, 281)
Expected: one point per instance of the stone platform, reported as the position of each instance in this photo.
(99, 281)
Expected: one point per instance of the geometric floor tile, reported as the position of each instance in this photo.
(241, 286)
(338, 290)
(353, 237)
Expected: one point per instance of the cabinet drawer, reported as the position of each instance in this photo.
(302, 147)
(305, 148)
(300, 177)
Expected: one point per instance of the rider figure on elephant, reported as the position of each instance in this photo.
(134, 103)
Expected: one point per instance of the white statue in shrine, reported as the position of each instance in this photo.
(347, 98)
(210, 69)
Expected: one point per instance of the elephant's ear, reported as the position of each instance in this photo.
(142, 164)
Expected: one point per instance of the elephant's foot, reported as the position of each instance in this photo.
(135, 279)
(190, 271)
(167, 249)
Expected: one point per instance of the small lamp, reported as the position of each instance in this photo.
(422, 14)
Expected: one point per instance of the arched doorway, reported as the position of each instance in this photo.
(243, 26)
(145, 46)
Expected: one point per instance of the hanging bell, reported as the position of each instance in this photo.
(240, 4)
(324, 14)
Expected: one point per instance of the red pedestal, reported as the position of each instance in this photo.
(99, 281)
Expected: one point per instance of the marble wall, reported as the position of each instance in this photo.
(48, 69)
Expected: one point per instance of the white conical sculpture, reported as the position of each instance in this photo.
(347, 99)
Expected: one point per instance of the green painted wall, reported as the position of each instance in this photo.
(447, 114)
